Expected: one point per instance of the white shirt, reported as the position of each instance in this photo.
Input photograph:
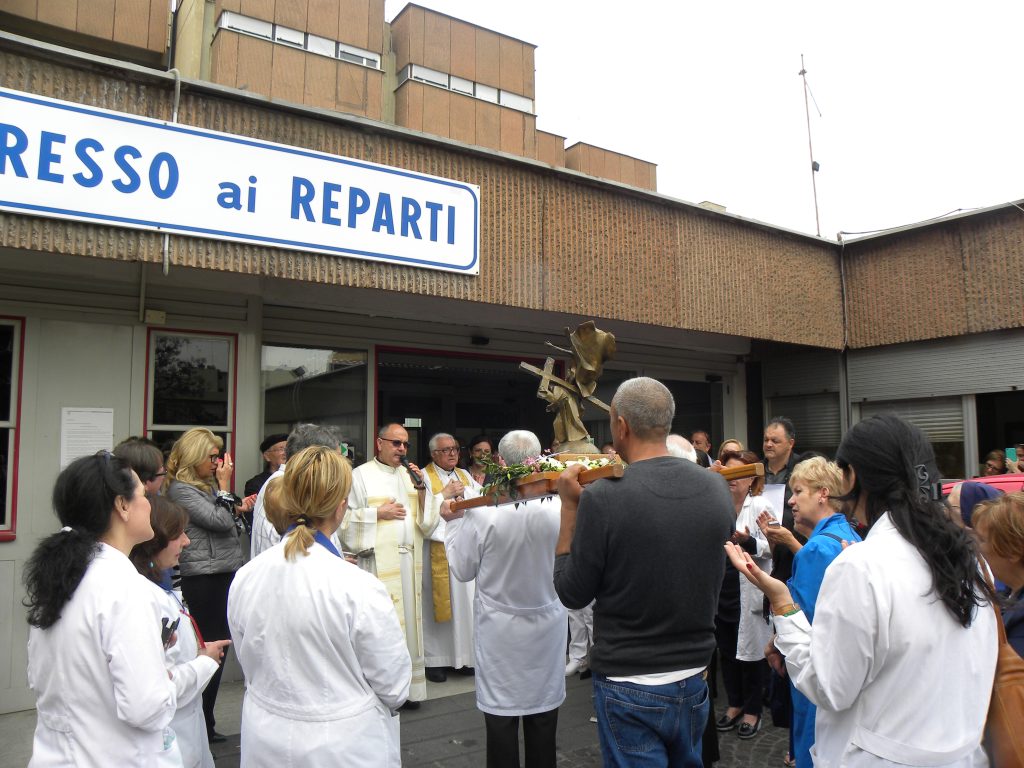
(264, 535)
(325, 662)
(754, 632)
(191, 674)
(895, 678)
(521, 627)
(104, 694)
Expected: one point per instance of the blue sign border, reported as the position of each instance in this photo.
(188, 130)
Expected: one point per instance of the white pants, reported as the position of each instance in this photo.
(581, 632)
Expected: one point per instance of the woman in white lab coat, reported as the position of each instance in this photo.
(190, 661)
(95, 656)
(324, 655)
(901, 656)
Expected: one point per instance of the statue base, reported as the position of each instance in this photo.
(578, 446)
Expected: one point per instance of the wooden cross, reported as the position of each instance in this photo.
(548, 378)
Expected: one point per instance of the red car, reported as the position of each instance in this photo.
(1007, 483)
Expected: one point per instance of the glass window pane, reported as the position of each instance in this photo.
(323, 386)
(191, 380)
(5, 470)
(166, 438)
(6, 370)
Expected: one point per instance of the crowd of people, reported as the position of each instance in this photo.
(845, 595)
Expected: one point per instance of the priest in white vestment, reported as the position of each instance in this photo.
(447, 602)
(385, 526)
(520, 626)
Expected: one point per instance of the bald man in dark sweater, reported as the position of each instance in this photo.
(649, 548)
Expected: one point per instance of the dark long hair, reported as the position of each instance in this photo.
(896, 472)
(168, 520)
(83, 498)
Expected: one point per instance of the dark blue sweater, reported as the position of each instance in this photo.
(649, 548)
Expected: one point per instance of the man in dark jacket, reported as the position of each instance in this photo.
(649, 548)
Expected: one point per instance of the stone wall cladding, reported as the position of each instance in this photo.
(959, 277)
(548, 241)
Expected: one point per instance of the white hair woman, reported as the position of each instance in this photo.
(325, 659)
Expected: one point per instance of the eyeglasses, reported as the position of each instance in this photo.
(394, 442)
(450, 451)
(214, 457)
(160, 474)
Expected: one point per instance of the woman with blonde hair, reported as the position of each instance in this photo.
(324, 656)
(732, 444)
(197, 480)
(817, 487)
(740, 628)
(999, 529)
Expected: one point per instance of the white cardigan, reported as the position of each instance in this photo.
(897, 681)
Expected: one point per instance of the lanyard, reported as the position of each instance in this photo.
(191, 618)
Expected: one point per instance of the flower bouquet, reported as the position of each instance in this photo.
(538, 477)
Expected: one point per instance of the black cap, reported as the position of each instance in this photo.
(270, 440)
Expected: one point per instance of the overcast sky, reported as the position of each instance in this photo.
(921, 103)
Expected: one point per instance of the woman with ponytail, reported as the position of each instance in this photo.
(901, 656)
(324, 656)
(95, 647)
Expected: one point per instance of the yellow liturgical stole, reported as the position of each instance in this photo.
(439, 578)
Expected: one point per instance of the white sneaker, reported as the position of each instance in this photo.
(593, 718)
(573, 667)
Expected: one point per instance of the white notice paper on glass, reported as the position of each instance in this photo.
(84, 431)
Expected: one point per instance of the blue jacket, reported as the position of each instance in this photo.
(817, 554)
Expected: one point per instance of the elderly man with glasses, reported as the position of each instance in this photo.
(447, 602)
(385, 525)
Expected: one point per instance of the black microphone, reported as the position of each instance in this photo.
(417, 483)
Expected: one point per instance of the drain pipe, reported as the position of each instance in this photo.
(174, 118)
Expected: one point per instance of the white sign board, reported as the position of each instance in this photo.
(77, 162)
(84, 431)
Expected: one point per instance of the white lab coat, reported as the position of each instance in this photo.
(191, 674)
(104, 695)
(449, 643)
(263, 535)
(325, 662)
(521, 627)
(754, 632)
(897, 681)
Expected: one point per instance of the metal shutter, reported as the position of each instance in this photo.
(815, 417)
(942, 419)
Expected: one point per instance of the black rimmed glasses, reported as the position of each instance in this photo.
(450, 451)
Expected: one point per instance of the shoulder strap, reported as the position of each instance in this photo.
(832, 536)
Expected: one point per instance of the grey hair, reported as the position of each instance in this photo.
(519, 445)
(432, 445)
(384, 428)
(647, 406)
(681, 448)
(307, 435)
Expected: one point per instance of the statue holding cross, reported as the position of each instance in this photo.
(590, 348)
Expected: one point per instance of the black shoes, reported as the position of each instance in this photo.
(409, 706)
(436, 674)
(465, 671)
(748, 731)
(726, 723)
(217, 738)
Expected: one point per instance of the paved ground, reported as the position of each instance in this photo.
(447, 732)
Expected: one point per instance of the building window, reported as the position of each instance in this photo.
(296, 38)
(466, 87)
(10, 402)
(325, 386)
(191, 384)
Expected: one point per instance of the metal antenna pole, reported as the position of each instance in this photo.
(810, 148)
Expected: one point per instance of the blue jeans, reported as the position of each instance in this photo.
(651, 725)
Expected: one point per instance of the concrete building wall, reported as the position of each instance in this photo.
(957, 277)
(549, 240)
